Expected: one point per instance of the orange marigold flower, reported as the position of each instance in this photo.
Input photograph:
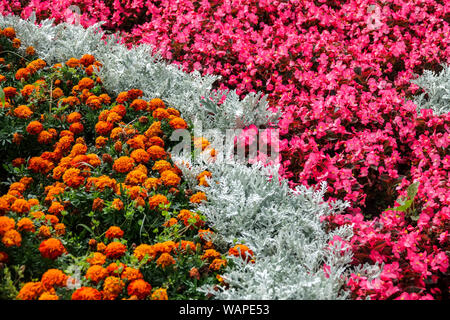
(161, 166)
(25, 224)
(217, 264)
(117, 204)
(86, 293)
(160, 114)
(178, 123)
(20, 206)
(153, 130)
(96, 273)
(87, 59)
(170, 222)
(96, 258)
(122, 97)
(73, 117)
(170, 179)
(143, 250)
(98, 204)
(137, 142)
(16, 43)
(241, 250)
(9, 92)
(119, 109)
(101, 247)
(48, 296)
(45, 137)
(76, 127)
(9, 32)
(52, 278)
(115, 250)
(22, 112)
(51, 218)
(113, 117)
(139, 288)
(44, 232)
(60, 229)
(22, 74)
(156, 152)
(114, 233)
(103, 128)
(100, 142)
(105, 99)
(18, 186)
(155, 104)
(30, 291)
(165, 260)
(73, 63)
(156, 200)
(198, 197)
(17, 162)
(112, 287)
(210, 254)
(12, 238)
(3, 257)
(115, 269)
(139, 105)
(131, 274)
(51, 248)
(123, 164)
(135, 177)
(72, 178)
(38, 164)
(152, 183)
(6, 224)
(55, 208)
(57, 93)
(140, 156)
(160, 294)
(194, 274)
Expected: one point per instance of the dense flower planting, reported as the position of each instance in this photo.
(94, 207)
(340, 73)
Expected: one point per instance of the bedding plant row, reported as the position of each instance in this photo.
(92, 205)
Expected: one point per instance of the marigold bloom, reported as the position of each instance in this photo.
(115, 250)
(55, 208)
(156, 152)
(86, 293)
(12, 238)
(210, 254)
(156, 200)
(155, 104)
(103, 128)
(22, 112)
(123, 164)
(18, 162)
(87, 59)
(152, 183)
(115, 269)
(114, 233)
(3, 257)
(143, 250)
(34, 127)
(131, 274)
(139, 288)
(45, 137)
(76, 127)
(241, 250)
(30, 291)
(48, 296)
(105, 99)
(170, 179)
(140, 156)
(135, 177)
(38, 164)
(160, 294)
(20, 206)
(73, 63)
(96, 273)
(117, 204)
(25, 224)
(52, 278)
(72, 178)
(9, 92)
(160, 114)
(178, 123)
(57, 93)
(198, 197)
(154, 130)
(139, 105)
(51, 218)
(44, 232)
(98, 204)
(96, 258)
(60, 229)
(112, 287)
(73, 117)
(23, 74)
(122, 97)
(100, 142)
(217, 264)
(51, 248)
(165, 260)
(170, 222)
(9, 32)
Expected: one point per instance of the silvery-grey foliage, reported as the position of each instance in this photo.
(124, 68)
(437, 90)
(282, 226)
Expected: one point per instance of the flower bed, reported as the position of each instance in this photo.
(340, 73)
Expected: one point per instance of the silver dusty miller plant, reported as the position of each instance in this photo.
(282, 226)
(437, 89)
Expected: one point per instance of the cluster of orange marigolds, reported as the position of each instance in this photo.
(140, 167)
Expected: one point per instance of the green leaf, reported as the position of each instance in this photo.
(2, 97)
(412, 189)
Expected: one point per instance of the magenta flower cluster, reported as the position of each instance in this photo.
(340, 73)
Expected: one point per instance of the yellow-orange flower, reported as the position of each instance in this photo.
(131, 274)
(115, 250)
(96, 258)
(114, 233)
(20, 206)
(117, 204)
(25, 224)
(156, 200)
(178, 123)
(96, 273)
(112, 287)
(160, 294)
(51, 248)
(6, 224)
(170, 179)
(165, 260)
(155, 104)
(198, 197)
(123, 164)
(156, 152)
(34, 127)
(30, 291)
(86, 293)
(139, 288)
(12, 238)
(22, 112)
(52, 278)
